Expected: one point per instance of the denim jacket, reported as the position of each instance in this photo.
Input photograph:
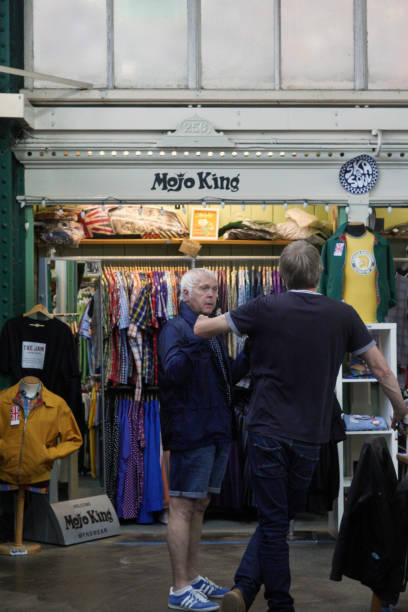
(331, 282)
(194, 409)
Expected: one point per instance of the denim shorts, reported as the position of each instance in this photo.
(194, 473)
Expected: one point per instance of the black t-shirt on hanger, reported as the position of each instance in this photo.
(45, 349)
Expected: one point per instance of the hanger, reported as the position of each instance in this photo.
(38, 308)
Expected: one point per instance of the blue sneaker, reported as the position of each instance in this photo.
(209, 588)
(191, 600)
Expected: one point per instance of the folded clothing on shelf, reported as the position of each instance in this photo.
(364, 422)
(357, 368)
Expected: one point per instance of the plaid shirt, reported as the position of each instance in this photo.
(123, 325)
(139, 323)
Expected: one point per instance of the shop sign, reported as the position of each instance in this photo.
(89, 518)
(200, 180)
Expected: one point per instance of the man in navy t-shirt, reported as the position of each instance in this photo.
(297, 341)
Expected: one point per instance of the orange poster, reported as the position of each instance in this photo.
(204, 224)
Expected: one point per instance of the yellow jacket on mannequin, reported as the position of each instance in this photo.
(28, 443)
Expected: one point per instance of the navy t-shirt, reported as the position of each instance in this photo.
(297, 344)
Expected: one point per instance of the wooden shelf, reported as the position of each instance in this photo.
(107, 241)
(392, 237)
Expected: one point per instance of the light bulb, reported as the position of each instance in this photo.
(22, 203)
(82, 214)
(389, 210)
(263, 205)
(60, 212)
(203, 203)
(162, 211)
(183, 209)
(140, 210)
(120, 205)
(43, 202)
(347, 210)
(26, 226)
(326, 208)
(285, 205)
(370, 210)
(103, 206)
(305, 204)
(222, 204)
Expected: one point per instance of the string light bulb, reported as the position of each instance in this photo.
(347, 210)
(326, 208)
(120, 205)
(243, 206)
(140, 210)
(103, 205)
(285, 205)
(304, 204)
(222, 204)
(370, 210)
(203, 203)
(183, 209)
(43, 202)
(60, 211)
(162, 210)
(26, 226)
(82, 214)
(22, 203)
(263, 205)
(389, 210)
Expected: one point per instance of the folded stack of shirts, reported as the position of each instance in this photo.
(364, 422)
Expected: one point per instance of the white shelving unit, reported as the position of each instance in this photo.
(364, 397)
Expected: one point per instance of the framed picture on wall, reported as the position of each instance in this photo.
(204, 224)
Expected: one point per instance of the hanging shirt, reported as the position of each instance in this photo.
(47, 350)
(360, 276)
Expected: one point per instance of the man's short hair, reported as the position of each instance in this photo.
(300, 265)
(191, 278)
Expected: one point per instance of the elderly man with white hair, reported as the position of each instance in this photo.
(195, 381)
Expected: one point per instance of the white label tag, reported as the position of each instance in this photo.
(33, 355)
(18, 551)
(338, 249)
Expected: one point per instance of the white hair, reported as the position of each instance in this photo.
(191, 278)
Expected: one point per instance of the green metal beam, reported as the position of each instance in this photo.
(16, 246)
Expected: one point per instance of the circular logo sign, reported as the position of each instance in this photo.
(359, 175)
(362, 262)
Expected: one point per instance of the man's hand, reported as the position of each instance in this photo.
(207, 327)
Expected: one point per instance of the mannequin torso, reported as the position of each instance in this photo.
(359, 288)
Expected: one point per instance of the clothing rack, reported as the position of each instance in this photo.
(178, 258)
(146, 260)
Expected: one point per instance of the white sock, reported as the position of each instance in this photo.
(181, 591)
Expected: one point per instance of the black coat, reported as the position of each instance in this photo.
(372, 542)
(324, 488)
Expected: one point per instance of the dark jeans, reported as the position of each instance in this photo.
(281, 471)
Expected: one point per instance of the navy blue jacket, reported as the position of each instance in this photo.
(194, 409)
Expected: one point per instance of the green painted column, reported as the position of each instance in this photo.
(16, 248)
(16, 245)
